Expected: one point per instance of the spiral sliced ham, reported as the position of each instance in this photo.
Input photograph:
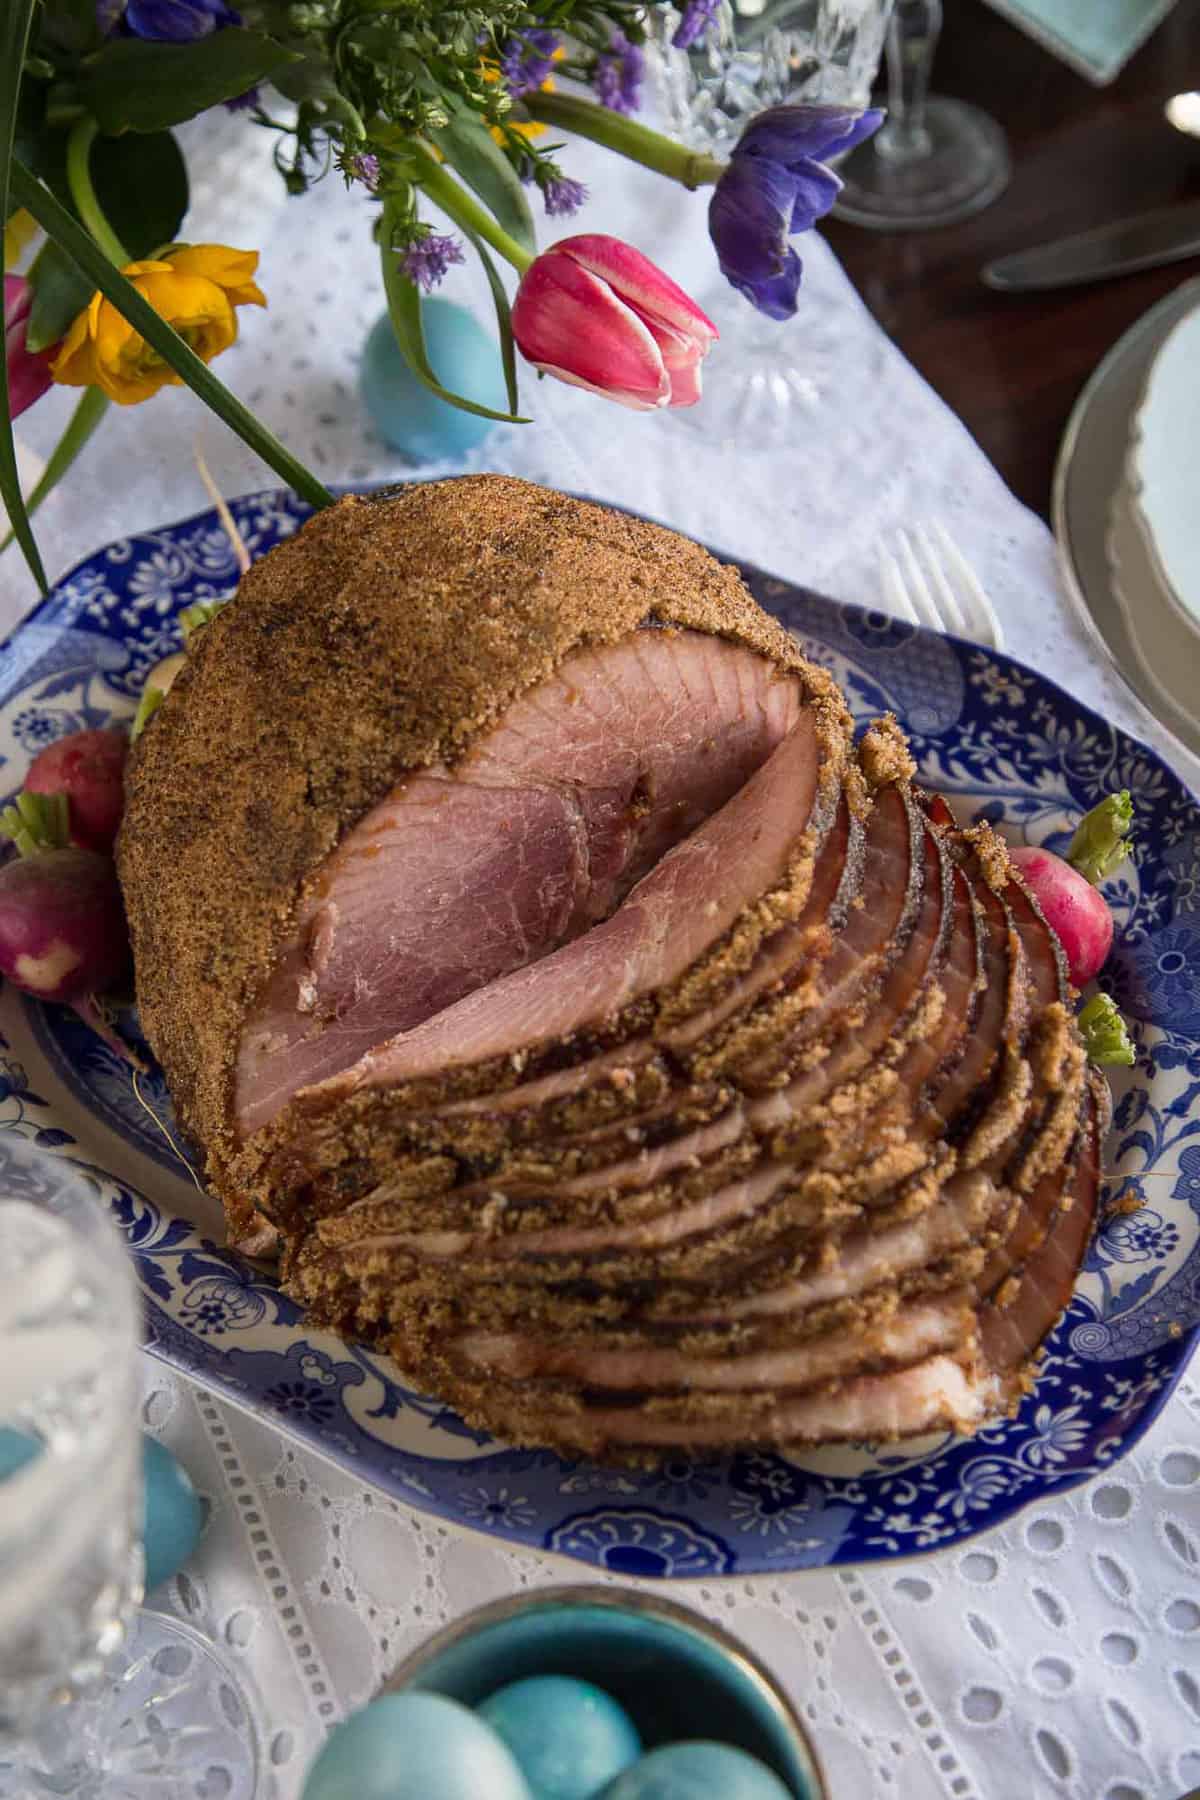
(605, 1033)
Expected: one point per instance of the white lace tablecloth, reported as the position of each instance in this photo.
(1057, 1658)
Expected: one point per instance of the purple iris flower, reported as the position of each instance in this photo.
(775, 185)
(699, 16)
(178, 21)
(617, 77)
(528, 60)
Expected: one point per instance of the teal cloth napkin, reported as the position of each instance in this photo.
(1097, 37)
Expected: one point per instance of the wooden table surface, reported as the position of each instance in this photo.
(1011, 365)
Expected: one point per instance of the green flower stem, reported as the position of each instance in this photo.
(79, 180)
(627, 137)
(463, 208)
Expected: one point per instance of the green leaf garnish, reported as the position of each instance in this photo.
(1105, 1033)
(152, 698)
(193, 617)
(1101, 842)
(37, 822)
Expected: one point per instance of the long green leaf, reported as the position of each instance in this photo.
(404, 309)
(469, 147)
(508, 354)
(133, 84)
(141, 183)
(15, 16)
(60, 292)
(57, 222)
(80, 426)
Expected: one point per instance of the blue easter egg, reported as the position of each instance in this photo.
(16, 1449)
(568, 1736)
(407, 416)
(415, 1746)
(699, 1771)
(173, 1516)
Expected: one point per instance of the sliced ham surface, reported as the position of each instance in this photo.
(938, 1393)
(914, 1332)
(462, 875)
(676, 913)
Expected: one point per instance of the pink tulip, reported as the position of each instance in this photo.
(28, 375)
(597, 313)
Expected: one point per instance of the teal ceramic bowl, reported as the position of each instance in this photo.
(675, 1674)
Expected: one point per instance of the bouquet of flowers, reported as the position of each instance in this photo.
(414, 102)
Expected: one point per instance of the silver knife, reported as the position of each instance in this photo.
(1155, 238)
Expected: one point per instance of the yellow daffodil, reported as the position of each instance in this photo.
(196, 288)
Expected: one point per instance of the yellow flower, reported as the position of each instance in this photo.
(194, 286)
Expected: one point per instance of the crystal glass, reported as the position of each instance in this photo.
(768, 377)
(934, 160)
(97, 1700)
(760, 54)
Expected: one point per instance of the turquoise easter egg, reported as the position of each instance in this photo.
(16, 1449)
(699, 1771)
(173, 1516)
(569, 1737)
(465, 359)
(415, 1747)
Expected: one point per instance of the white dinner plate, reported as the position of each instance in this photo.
(1089, 476)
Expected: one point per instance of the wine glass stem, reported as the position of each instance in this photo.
(912, 38)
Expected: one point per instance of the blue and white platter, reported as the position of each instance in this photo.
(1002, 743)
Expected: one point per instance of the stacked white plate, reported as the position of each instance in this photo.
(1153, 539)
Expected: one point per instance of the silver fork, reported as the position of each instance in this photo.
(927, 580)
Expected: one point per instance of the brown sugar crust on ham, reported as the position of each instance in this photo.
(382, 639)
(770, 1125)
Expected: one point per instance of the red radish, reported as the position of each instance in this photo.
(62, 930)
(1074, 909)
(89, 768)
(1063, 888)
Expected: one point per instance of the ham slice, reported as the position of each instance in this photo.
(673, 916)
(462, 875)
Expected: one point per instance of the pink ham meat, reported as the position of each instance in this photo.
(674, 914)
(460, 877)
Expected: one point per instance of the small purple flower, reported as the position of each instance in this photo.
(776, 184)
(528, 60)
(617, 77)
(364, 167)
(178, 21)
(427, 258)
(562, 196)
(699, 16)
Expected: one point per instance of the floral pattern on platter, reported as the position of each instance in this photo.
(1002, 743)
